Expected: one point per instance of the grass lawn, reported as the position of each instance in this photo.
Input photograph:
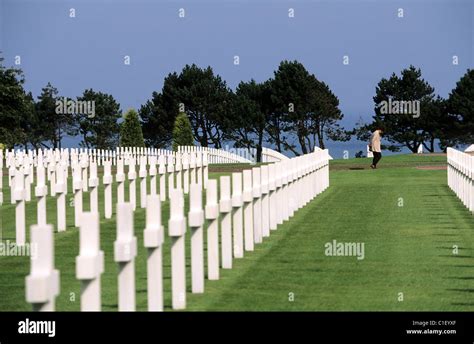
(408, 249)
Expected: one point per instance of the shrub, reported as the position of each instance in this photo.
(182, 132)
(131, 134)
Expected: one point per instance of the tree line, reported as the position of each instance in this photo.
(293, 111)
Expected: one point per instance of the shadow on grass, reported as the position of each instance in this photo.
(114, 306)
(463, 278)
(450, 247)
(462, 304)
(438, 195)
(466, 290)
(454, 256)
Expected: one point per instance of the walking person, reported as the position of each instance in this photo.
(375, 147)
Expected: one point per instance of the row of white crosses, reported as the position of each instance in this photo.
(99, 155)
(53, 168)
(221, 156)
(51, 158)
(248, 206)
(461, 176)
(236, 155)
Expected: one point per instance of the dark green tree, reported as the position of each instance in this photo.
(290, 90)
(157, 118)
(32, 125)
(304, 109)
(250, 108)
(131, 131)
(51, 123)
(460, 106)
(182, 132)
(324, 116)
(204, 97)
(406, 129)
(13, 106)
(436, 124)
(100, 130)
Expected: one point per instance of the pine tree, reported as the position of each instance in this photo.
(182, 132)
(131, 131)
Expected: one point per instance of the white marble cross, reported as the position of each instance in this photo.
(170, 170)
(61, 197)
(120, 178)
(77, 186)
(125, 251)
(177, 230)
(257, 205)
(247, 198)
(153, 239)
(90, 262)
(162, 172)
(272, 201)
(142, 173)
(196, 222)
(107, 180)
(42, 284)
(265, 201)
(94, 184)
(132, 176)
(237, 224)
(212, 215)
(41, 191)
(19, 197)
(185, 164)
(225, 209)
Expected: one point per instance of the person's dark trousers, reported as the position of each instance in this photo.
(377, 157)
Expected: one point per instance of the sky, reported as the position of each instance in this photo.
(88, 51)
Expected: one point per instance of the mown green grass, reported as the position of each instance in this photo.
(392, 161)
(408, 249)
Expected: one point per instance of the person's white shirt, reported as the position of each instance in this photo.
(375, 141)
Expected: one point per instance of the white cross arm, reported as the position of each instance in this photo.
(125, 247)
(177, 221)
(90, 262)
(196, 214)
(225, 204)
(153, 235)
(212, 207)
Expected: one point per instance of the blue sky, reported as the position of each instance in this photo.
(88, 51)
